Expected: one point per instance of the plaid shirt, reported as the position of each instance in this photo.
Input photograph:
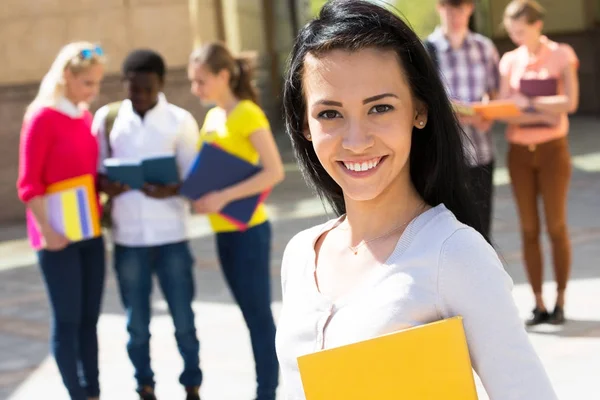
(469, 72)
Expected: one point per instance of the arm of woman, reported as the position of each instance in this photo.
(546, 118)
(506, 93)
(35, 142)
(504, 90)
(271, 174)
(272, 171)
(51, 238)
(566, 103)
(473, 284)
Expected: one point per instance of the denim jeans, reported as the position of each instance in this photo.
(173, 265)
(245, 260)
(74, 279)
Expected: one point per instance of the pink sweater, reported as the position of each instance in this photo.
(54, 147)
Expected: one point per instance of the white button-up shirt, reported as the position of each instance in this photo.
(139, 220)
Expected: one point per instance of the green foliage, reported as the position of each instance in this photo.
(315, 6)
(419, 14)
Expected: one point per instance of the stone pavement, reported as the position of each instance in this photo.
(571, 353)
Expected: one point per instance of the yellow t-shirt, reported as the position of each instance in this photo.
(232, 133)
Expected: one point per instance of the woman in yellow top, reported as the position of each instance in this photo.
(238, 125)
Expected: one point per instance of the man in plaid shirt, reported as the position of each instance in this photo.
(468, 64)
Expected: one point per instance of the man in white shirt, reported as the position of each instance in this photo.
(150, 226)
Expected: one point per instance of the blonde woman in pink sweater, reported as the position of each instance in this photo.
(57, 144)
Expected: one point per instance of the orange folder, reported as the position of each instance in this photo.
(497, 109)
(72, 210)
(428, 362)
(492, 110)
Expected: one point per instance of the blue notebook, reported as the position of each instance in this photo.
(160, 170)
(216, 169)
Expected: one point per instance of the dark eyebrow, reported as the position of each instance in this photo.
(378, 97)
(365, 101)
(329, 103)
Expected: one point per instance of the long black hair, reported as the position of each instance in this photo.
(437, 158)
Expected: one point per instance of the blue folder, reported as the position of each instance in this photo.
(161, 170)
(217, 169)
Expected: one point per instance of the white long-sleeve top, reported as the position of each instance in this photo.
(440, 268)
(139, 220)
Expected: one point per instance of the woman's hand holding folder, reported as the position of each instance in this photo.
(53, 240)
(530, 116)
(467, 116)
(476, 121)
(210, 203)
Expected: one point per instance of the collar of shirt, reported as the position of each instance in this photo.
(442, 42)
(546, 47)
(155, 112)
(67, 107)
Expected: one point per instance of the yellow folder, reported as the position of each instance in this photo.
(428, 362)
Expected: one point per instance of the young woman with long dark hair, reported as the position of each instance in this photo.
(375, 134)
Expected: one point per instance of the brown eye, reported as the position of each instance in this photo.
(329, 114)
(380, 109)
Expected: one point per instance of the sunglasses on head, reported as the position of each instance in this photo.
(87, 54)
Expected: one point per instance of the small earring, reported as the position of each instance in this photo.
(308, 136)
(421, 123)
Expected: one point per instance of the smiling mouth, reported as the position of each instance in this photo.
(362, 166)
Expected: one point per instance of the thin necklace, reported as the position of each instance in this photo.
(354, 249)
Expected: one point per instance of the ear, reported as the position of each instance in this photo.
(421, 113)
(539, 25)
(224, 75)
(471, 7)
(306, 131)
(67, 76)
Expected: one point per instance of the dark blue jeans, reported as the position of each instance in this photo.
(74, 279)
(173, 265)
(245, 259)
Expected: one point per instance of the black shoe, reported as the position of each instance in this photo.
(558, 316)
(193, 393)
(538, 317)
(147, 393)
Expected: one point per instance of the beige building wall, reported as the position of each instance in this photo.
(561, 15)
(33, 31)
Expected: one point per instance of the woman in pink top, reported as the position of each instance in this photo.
(541, 77)
(57, 144)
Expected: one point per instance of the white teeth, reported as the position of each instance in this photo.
(364, 166)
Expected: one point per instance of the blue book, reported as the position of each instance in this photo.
(161, 170)
(125, 171)
(217, 169)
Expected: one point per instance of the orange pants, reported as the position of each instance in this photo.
(543, 169)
